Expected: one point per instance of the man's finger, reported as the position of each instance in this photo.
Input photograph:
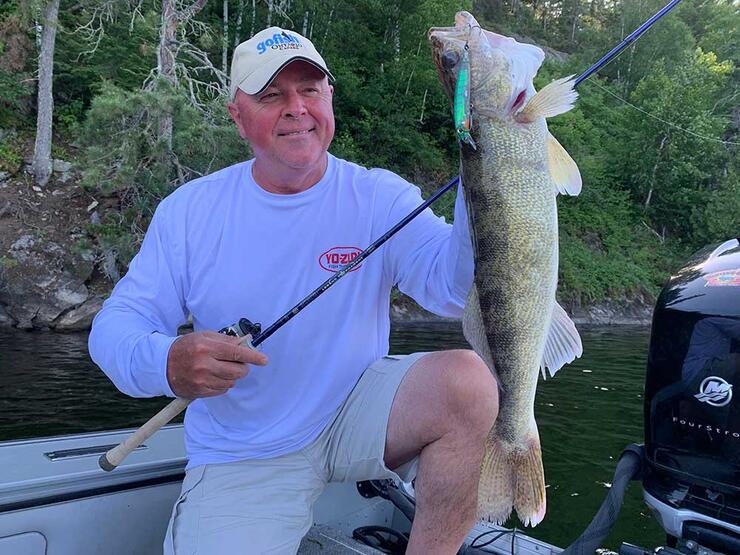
(230, 371)
(232, 350)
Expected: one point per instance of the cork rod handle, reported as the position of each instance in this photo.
(110, 460)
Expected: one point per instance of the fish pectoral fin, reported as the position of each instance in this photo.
(563, 169)
(563, 343)
(554, 99)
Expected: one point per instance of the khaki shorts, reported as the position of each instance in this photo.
(266, 505)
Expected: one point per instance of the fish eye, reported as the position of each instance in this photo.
(450, 59)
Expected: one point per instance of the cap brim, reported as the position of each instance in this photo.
(260, 79)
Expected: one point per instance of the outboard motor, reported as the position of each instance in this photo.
(691, 477)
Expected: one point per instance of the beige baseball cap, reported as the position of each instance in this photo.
(257, 61)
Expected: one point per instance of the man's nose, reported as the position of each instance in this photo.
(294, 105)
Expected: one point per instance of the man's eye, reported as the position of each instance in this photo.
(268, 96)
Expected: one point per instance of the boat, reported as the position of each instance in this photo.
(56, 500)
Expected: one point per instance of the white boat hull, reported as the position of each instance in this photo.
(55, 500)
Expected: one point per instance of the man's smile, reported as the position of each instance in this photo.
(294, 133)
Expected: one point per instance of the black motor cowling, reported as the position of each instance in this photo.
(692, 402)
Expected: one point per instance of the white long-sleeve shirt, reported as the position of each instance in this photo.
(221, 248)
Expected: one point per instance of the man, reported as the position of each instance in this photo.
(321, 401)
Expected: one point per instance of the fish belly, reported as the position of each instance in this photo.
(513, 222)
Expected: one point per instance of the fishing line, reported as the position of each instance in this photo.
(493, 539)
(631, 38)
(628, 103)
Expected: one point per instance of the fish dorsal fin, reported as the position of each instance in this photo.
(554, 99)
(563, 169)
(563, 343)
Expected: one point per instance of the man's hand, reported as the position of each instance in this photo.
(206, 364)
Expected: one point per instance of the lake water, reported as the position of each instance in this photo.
(586, 415)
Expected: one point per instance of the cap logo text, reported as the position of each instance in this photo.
(279, 41)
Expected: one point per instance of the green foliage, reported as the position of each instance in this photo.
(11, 155)
(125, 155)
(14, 90)
(15, 77)
(660, 176)
(122, 53)
(672, 168)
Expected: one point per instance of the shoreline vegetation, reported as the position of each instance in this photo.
(134, 108)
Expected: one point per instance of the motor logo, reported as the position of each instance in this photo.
(337, 258)
(715, 391)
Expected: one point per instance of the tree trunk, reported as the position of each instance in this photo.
(239, 17)
(166, 62)
(171, 18)
(270, 6)
(396, 32)
(225, 42)
(254, 18)
(326, 32)
(655, 171)
(42, 149)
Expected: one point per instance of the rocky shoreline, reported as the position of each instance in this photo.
(610, 313)
(53, 278)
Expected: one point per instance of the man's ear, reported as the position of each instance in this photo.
(233, 109)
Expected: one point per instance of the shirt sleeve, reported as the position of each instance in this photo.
(431, 261)
(132, 334)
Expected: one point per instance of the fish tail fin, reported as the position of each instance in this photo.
(554, 99)
(512, 477)
(529, 495)
(497, 481)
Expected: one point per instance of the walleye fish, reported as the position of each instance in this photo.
(512, 169)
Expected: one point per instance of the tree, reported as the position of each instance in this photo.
(674, 160)
(41, 166)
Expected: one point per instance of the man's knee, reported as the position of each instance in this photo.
(472, 392)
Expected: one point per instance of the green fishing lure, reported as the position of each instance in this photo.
(461, 103)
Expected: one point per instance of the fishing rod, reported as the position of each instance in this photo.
(252, 333)
(253, 336)
(632, 37)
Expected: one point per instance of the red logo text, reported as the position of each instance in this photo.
(337, 258)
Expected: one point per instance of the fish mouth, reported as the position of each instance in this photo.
(501, 69)
(447, 44)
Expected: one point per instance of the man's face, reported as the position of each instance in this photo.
(290, 124)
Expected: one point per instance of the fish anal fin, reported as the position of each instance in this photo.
(554, 99)
(563, 343)
(563, 169)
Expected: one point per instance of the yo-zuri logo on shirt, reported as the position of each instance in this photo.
(337, 258)
(279, 41)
